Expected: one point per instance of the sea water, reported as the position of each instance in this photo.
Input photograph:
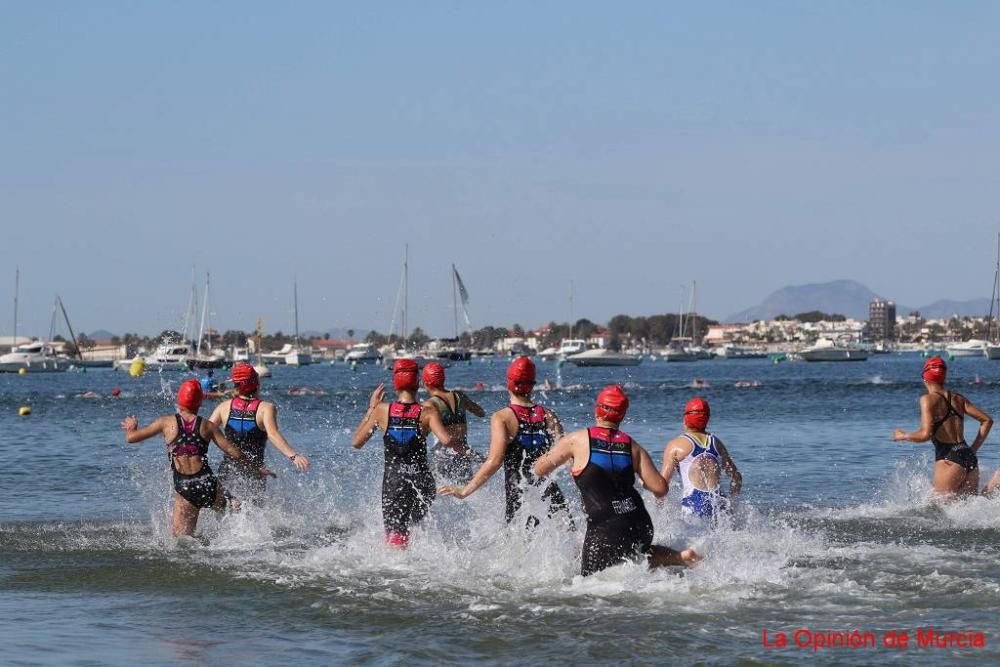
(835, 532)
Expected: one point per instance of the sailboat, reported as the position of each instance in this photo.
(297, 356)
(34, 356)
(453, 350)
(993, 321)
(171, 354)
(79, 360)
(205, 356)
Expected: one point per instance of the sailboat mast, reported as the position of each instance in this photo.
(204, 312)
(406, 290)
(571, 309)
(62, 307)
(17, 289)
(454, 296)
(991, 322)
(694, 312)
(295, 291)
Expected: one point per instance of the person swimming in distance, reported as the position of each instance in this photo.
(519, 434)
(407, 481)
(700, 458)
(187, 438)
(454, 462)
(605, 463)
(249, 423)
(942, 412)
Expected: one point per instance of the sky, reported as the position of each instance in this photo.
(624, 149)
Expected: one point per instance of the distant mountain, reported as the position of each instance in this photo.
(850, 298)
(101, 334)
(846, 297)
(946, 308)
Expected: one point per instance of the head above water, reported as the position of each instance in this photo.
(245, 379)
(189, 395)
(521, 376)
(433, 375)
(612, 404)
(935, 370)
(405, 375)
(696, 414)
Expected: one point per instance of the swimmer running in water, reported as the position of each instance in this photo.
(452, 405)
(700, 457)
(942, 412)
(519, 434)
(606, 461)
(407, 480)
(187, 436)
(249, 423)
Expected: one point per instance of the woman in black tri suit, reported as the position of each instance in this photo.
(942, 412)
(187, 437)
(606, 461)
(456, 464)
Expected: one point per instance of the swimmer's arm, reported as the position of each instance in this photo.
(651, 479)
(926, 424)
(216, 417)
(433, 420)
(553, 424)
(134, 434)
(729, 466)
(231, 450)
(985, 424)
(471, 405)
(499, 439)
(669, 460)
(269, 415)
(560, 453)
(369, 422)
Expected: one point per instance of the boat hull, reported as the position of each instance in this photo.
(834, 355)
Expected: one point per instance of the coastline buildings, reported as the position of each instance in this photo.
(882, 320)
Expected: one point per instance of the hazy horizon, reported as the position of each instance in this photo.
(628, 150)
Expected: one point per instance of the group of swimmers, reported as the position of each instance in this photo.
(526, 440)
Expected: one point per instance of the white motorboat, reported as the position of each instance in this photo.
(33, 357)
(973, 347)
(677, 351)
(363, 353)
(827, 350)
(278, 356)
(739, 352)
(298, 357)
(570, 347)
(604, 357)
(166, 357)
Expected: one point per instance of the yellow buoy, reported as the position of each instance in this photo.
(24, 411)
(137, 368)
(22, 371)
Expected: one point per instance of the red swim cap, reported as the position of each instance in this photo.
(189, 396)
(116, 391)
(433, 375)
(935, 370)
(612, 404)
(245, 379)
(521, 376)
(696, 414)
(404, 375)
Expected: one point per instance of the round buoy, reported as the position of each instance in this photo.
(137, 368)
(24, 411)
(22, 371)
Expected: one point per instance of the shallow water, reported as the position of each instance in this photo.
(836, 532)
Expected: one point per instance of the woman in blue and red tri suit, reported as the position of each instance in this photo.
(606, 461)
(249, 423)
(519, 434)
(407, 480)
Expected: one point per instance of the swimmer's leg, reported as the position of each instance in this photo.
(992, 485)
(970, 486)
(948, 477)
(185, 518)
(661, 556)
(224, 500)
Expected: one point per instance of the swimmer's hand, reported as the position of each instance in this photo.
(301, 461)
(899, 434)
(130, 423)
(264, 472)
(377, 395)
(456, 491)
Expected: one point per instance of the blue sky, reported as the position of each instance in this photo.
(628, 148)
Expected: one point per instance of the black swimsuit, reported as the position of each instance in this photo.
(242, 430)
(955, 452)
(458, 467)
(531, 442)
(407, 482)
(200, 488)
